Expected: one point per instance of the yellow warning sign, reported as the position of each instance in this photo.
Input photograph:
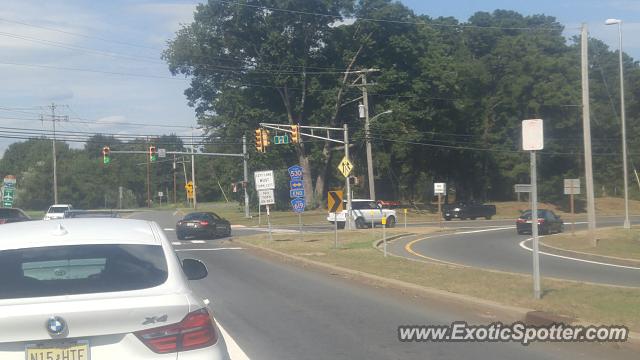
(345, 167)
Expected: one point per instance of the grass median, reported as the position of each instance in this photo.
(616, 242)
(587, 302)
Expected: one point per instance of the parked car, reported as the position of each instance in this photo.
(74, 214)
(11, 215)
(465, 211)
(100, 289)
(548, 222)
(57, 211)
(203, 224)
(365, 213)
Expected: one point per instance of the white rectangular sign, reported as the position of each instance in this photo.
(572, 186)
(266, 197)
(522, 188)
(532, 135)
(162, 153)
(439, 188)
(264, 180)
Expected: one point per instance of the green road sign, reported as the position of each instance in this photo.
(281, 139)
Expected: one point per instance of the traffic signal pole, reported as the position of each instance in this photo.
(246, 176)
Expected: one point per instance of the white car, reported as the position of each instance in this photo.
(100, 289)
(366, 213)
(57, 211)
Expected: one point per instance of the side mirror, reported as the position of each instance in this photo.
(194, 269)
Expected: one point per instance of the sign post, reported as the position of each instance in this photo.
(405, 218)
(440, 189)
(571, 188)
(384, 234)
(296, 192)
(533, 140)
(335, 205)
(265, 183)
(8, 191)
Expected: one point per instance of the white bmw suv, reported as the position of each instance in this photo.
(100, 289)
(366, 213)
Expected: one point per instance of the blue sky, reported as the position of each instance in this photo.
(100, 60)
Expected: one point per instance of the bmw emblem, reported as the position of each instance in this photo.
(56, 326)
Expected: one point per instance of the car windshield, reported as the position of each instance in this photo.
(362, 205)
(80, 269)
(58, 209)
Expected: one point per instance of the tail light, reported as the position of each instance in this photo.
(204, 223)
(521, 221)
(3, 221)
(195, 331)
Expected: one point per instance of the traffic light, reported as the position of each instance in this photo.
(295, 134)
(259, 146)
(153, 153)
(106, 155)
(265, 140)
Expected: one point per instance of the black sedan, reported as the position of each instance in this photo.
(548, 222)
(11, 215)
(203, 225)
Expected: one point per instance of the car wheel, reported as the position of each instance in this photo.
(487, 217)
(447, 218)
(360, 224)
(473, 218)
(341, 225)
(391, 222)
(180, 235)
(520, 232)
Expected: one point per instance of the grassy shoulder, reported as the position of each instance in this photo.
(616, 242)
(593, 303)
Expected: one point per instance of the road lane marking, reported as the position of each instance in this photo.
(176, 243)
(212, 249)
(234, 350)
(198, 241)
(522, 245)
(409, 246)
(169, 229)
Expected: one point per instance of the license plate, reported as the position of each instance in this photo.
(77, 350)
(191, 225)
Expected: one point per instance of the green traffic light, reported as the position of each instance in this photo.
(106, 160)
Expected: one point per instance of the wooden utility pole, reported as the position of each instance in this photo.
(586, 132)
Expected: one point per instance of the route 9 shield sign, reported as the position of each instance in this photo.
(298, 205)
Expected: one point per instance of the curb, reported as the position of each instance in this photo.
(526, 315)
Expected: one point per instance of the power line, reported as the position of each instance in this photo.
(339, 17)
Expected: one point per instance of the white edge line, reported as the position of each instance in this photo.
(214, 249)
(176, 243)
(522, 245)
(169, 229)
(483, 230)
(198, 241)
(234, 350)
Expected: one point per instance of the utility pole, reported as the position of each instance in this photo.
(586, 132)
(53, 119)
(346, 155)
(364, 113)
(365, 102)
(246, 176)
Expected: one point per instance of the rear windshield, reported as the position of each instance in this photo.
(9, 213)
(58, 209)
(527, 214)
(195, 216)
(80, 269)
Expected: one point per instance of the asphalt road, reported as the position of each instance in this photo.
(274, 310)
(501, 249)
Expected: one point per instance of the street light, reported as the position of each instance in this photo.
(362, 110)
(627, 224)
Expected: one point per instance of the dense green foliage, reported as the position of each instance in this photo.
(458, 91)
